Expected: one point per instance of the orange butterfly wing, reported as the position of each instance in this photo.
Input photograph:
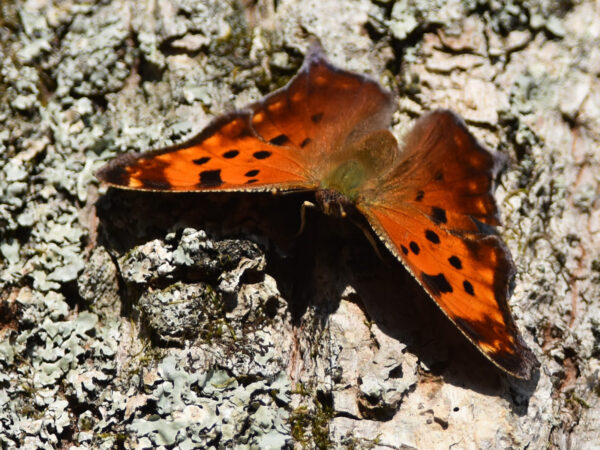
(281, 142)
(436, 212)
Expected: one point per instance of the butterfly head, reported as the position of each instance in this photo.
(333, 203)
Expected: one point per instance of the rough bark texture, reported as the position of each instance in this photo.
(124, 325)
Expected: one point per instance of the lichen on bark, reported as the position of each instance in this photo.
(309, 341)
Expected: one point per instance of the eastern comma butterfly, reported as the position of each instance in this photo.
(327, 131)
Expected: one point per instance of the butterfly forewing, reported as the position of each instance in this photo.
(225, 156)
(435, 213)
(283, 142)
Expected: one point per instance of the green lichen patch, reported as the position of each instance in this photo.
(310, 425)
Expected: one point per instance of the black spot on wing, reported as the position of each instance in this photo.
(210, 178)
(437, 284)
(455, 262)
(262, 154)
(468, 288)
(231, 154)
(279, 140)
(316, 118)
(432, 236)
(420, 195)
(404, 249)
(438, 215)
(202, 160)
(414, 247)
(305, 142)
(439, 176)
(252, 173)
(253, 180)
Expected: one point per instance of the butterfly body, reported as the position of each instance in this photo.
(333, 203)
(431, 204)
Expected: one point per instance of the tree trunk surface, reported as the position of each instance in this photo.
(153, 320)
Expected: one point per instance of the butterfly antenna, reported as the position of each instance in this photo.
(368, 234)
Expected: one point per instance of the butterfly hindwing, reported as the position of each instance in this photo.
(435, 212)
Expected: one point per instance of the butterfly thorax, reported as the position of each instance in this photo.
(346, 179)
(356, 169)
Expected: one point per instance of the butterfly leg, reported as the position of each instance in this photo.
(305, 206)
(368, 234)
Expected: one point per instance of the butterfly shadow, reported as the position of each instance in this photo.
(334, 253)
(312, 269)
(131, 218)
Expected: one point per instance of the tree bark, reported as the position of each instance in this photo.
(132, 319)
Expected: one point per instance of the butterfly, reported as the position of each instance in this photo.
(431, 204)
